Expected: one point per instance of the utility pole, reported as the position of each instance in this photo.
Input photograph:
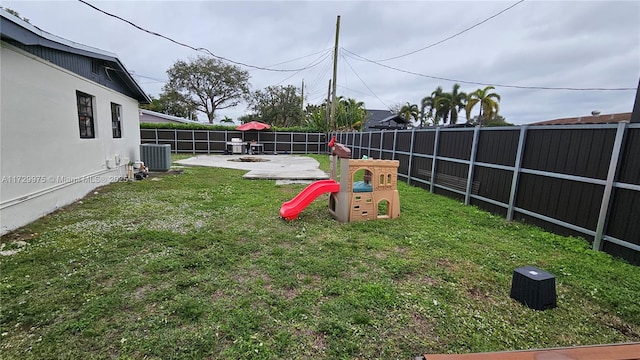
(302, 95)
(327, 120)
(335, 75)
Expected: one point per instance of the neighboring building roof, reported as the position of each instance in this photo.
(592, 119)
(391, 123)
(168, 118)
(30, 38)
(384, 119)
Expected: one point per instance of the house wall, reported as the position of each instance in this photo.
(45, 164)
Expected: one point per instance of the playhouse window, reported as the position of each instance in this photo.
(116, 120)
(85, 115)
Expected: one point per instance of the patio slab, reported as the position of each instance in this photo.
(272, 167)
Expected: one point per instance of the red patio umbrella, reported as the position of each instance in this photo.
(253, 125)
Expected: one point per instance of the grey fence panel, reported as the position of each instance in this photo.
(580, 152)
(498, 147)
(557, 177)
(629, 171)
(215, 141)
(456, 144)
(403, 141)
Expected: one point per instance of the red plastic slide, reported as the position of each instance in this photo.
(293, 207)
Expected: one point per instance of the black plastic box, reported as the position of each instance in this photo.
(534, 287)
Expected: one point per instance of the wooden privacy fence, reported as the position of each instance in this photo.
(215, 141)
(570, 179)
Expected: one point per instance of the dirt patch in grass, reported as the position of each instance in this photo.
(446, 263)
(617, 323)
(141, 292)
(251, 276)
(17, 236)
(477, 293)
(415, 278)
(318, 339)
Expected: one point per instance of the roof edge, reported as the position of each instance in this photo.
(80, 49)
(168, 117)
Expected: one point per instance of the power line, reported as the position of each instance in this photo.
(134, 74)
(454, 35)
(362, 58)
(363, 93)
(314, 86)
(301, 57)
(314, 63)
(200, 49)
(365, 85)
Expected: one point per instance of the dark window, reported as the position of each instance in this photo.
(85, 115)
(116, 120)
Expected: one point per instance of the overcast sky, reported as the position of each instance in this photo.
(576, 44)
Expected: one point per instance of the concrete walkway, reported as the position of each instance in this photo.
(273, 167)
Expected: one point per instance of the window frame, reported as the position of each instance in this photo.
(86, 115)
(116, 120)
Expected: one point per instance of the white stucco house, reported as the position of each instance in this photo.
(69, 121)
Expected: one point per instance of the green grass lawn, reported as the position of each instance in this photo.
(199, 265)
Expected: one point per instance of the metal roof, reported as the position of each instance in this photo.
(17, 30)
(169, 117)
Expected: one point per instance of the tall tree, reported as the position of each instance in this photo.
(208, 83)
(277, 105)
(427, 106)
(315, 117)
(351, 113)
(172, 103)
(410, 111)
(448, 105)
(488, 104)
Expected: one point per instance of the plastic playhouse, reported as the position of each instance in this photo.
(373, 197)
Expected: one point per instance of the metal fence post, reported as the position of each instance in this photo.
(516, 172)
(292, 138)
(472, 163)
(208, 142)
(606, 196)
(436, 141)
(395, 137)
(413, 136)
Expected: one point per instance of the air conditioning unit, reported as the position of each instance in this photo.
(156, 157)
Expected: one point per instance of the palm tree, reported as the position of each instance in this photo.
(449, 104)
(488, 104)
(428, 102)
(409, 111)
(226, 120)
(350, 113)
